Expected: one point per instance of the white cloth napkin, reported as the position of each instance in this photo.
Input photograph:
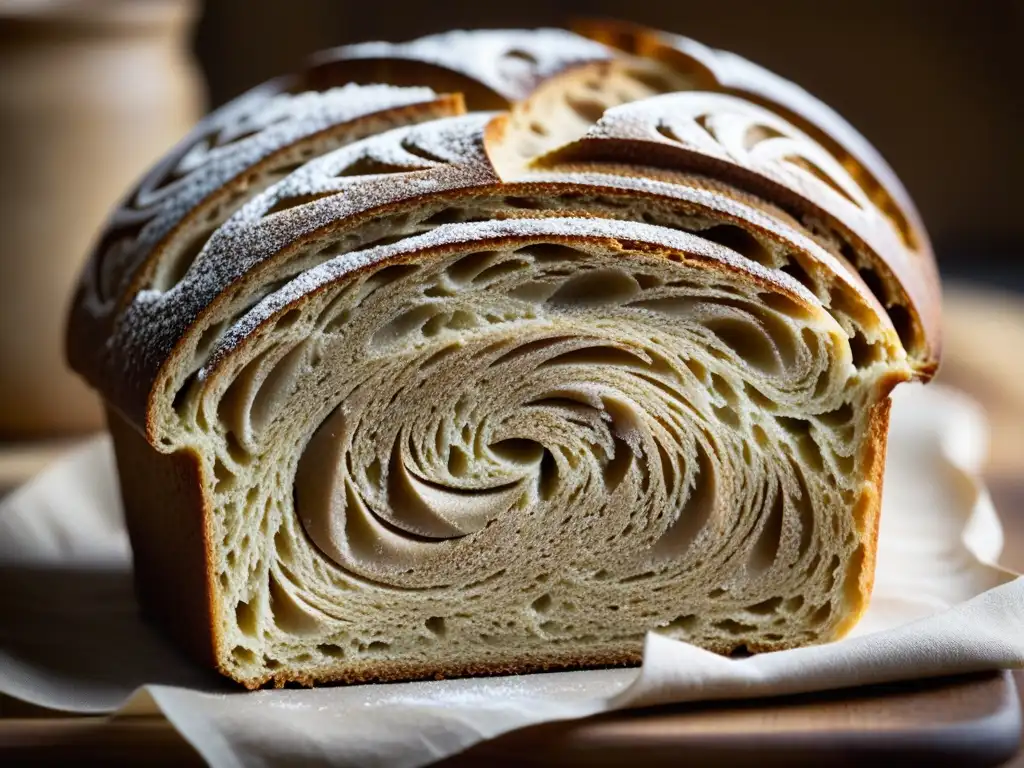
(70, 637)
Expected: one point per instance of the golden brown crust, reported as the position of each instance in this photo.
(860, 576)
(168, 521)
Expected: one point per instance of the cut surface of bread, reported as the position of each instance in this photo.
(407, 382)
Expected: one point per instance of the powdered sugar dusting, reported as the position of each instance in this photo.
(254, 233)
(509, 62)
(233, 141)
(149, 329)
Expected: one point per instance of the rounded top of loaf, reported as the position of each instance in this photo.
(523, 123)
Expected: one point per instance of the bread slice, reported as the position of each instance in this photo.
(400, 388)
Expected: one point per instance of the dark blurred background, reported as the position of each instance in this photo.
(936, 85)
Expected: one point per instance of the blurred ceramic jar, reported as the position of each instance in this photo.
(91, 93)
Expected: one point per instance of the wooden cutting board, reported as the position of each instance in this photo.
(966, 721)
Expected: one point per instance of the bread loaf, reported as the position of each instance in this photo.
(493, 351)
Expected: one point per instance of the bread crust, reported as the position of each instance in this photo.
(131, 384)
(860, 577)
(460, 61)
(630, 142)
(89, 326)
(144, 378)
(168, 520)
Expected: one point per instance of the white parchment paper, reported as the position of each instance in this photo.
(71, 639)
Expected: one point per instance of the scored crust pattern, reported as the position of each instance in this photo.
(490, 351)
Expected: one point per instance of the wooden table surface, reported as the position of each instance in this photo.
(984, 356)
(964, 719)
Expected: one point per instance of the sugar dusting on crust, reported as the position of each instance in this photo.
(559, 228)
(431, 157)
(234, 140)
(510, 62)
(434, 158)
